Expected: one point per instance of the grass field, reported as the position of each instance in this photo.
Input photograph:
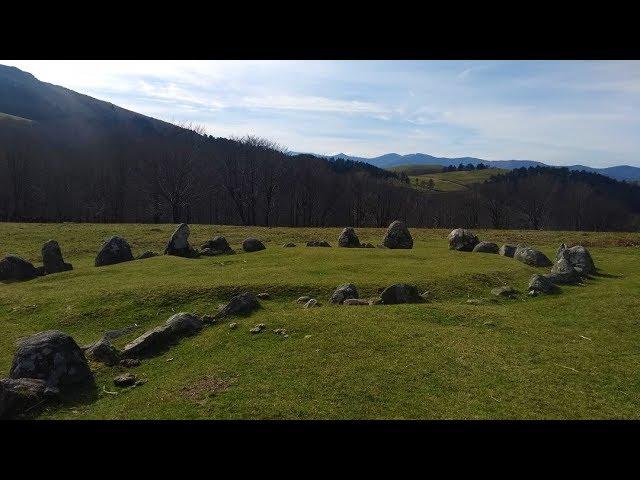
(455, 181)
(571, 355)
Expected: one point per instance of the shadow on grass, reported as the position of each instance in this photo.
(73, 397)
(600, 274)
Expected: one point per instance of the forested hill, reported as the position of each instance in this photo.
(65, 156)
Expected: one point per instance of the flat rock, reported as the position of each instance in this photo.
(348, 238)
(486, 247)
(154, 340)
(52, 258)
(53, 357)
(13, 267)
(401, 293)
(114, 250)
(532, 257)
(242, 304)
(178, 244)
(507, 250)
(462, 239)
(125, 380)
(344, 292)
(398, 236)
(252, 245)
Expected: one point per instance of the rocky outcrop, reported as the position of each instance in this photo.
(252, 245)
(114, 250)
(462, 239)
(344, 292)
(486, 247)
(13, 267)
(398, 236)
(400, 293)
(348, 238)
(52, 258)
(532, 257)
(51, 356)
(178, 244)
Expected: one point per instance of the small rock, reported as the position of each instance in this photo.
(344, 292)
(280, 331)
(375, 301)
(264, 296)
(532, 257)
(475, 301)
(102, 351)
(507, 250)
(312, 303)
(147, 254)
(400, 293)
(218, 244)
(125, 380)
(242, 304)
(462, 239)
(303, 299)
(258, 328)
(355, 301)
(233, 325)
(252, 245)
(486, 247)
(130, 362)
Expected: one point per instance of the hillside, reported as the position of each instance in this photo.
(454, 181)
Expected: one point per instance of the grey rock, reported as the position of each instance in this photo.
(398, 236)
(311, 303)
(114, 250)
(486, 247)
(532, 257)
(258, 328)
(102, 351)
(52, 258)
(263, 296)
(151, 342)
(178, 244)
(401, 293)
(563, 272)
(318, 243)
(147, 254)
(344, 292)
(507, 250)
(51, 356)
(184, 324)
(541, 284)
(252, 245)
(242, 304)
(219, 244)
(348, 238)
(13, 267)
(19, 395)
(579, 258)
(462, 239)
(125, 380)
(303, 299)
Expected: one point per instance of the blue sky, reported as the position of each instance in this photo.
(557, 112)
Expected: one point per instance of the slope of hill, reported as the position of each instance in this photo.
(453, 181)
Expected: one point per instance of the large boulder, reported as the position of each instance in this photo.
(114, 250)
(541, 284)
(318, 243)
(532, 257)
(400, 293)
(102, 351)
(178, 244)
(242, 304)
(344, 292)
(154, 340)
(52, 258)
(13, 267)
(462, 239)
(507, 250)
(486, 247)
(252, 245)
(19, 395)
(51, 356)
(217, 244)
(398, 236)
(348, 238)
(579, 258)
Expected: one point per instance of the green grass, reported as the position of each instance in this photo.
(455, 181)
(572, 355)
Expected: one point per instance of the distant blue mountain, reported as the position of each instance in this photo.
(620, 172)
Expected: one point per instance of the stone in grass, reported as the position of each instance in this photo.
(486, 247)
(507, 250)
(504, 291)
(540, 284)
(217, 244)
(233, 325)
(13, 267)
(289, 245)
(318, 243)
(281, 331)
(476, 301)
(532, 257)
(130, 362)
(114, 250)
(125, 380)
(462, 239)
(355, 301)
(344, 292)
(178, 244)
(52, 258)
(103, 352)
(151, 342)
(264, 296)
(397, 236)
(20, 395)
(312, 303)
(147, 254)
(242, 304)
(400, 293)
(303, 299)
(258, 328)
(579, 258)
(252, 245)
(348, 238)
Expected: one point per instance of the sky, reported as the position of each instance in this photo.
(556, 112)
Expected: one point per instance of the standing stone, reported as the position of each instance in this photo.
(348, 238)
(115, 250)
(486, 247)
(179, 243)
(507, 250)
(13, 267)
(52, 258)
(252, 245)
(532, 257)
(579, 258)
(51, 356)
(398, 236)
(400, 293)
(462, 240)
(344, 292)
